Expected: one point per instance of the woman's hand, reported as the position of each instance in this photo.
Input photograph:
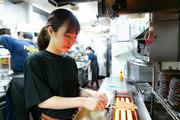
(92, 103)
(100, 96)
(93, 100)
(85, 68)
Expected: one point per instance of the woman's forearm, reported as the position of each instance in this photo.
(57, 102)
(87, 92)
(89, 63)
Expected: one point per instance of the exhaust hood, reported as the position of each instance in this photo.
(17, 1)
(137, 6)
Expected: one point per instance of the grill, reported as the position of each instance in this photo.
(122, 107)
(124, 113)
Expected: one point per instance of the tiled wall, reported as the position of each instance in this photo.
(121, 45)
(1, 12)
(20, 17)
(16, 13)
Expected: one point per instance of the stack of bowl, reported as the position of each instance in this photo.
(174, 93)
(165, 78)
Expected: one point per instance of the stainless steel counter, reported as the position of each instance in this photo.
(81, 65)
(4, 80)
(82, 74)
(110, 84)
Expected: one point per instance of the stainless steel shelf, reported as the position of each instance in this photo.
(172, 113)
(5, 56)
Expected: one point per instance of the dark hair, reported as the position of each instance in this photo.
(56, 19)
(89, 48)
(18, 33)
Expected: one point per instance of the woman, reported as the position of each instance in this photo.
(94, 66)
(51, 81)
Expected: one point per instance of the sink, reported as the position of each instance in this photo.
(4, 85)
(80, 64)
(4, 82)
(4, 74)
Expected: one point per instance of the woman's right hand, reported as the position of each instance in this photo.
(92, 104)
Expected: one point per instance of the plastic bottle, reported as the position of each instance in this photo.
(121, 75)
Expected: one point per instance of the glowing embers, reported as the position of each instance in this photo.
(124, 109)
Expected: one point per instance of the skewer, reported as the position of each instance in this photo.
(123, 112)
(116, 110)
(129, 114)
(123, 105)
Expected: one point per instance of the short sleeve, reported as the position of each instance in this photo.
(7, 41)
(36, 87)
(90, 56)
(76, 69)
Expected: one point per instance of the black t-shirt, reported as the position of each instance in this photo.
(47, 75)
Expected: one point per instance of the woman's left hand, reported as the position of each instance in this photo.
(102, 97)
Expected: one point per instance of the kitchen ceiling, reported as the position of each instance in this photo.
(58, 3)
(131, 6)
(44, 5)
(41, 4)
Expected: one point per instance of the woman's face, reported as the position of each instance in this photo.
(63, 41)
(88, 51)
